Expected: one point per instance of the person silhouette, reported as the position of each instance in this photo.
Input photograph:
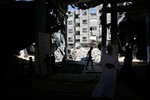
(53, 68)
(105, 88)
(31, 66)
(128, 60)
(89, 56)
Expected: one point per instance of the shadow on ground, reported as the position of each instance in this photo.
(69, 83)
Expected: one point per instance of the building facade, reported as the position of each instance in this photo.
(83, 26)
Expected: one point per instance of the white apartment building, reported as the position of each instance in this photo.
(83, 26)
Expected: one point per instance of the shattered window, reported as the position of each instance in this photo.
(84, 21)
(84, 12)
(70, 30)
(94, 28)
(70, 39)
(84, 39)
(84, 30)
(70, 22)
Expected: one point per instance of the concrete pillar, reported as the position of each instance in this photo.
(148, 37)
(66, 46)
(104, 28)
(40, 30)
(114, 27)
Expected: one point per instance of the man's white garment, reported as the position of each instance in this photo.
(106, 85)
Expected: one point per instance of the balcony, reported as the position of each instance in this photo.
(77, 28)
(77, 36)
(77, 20)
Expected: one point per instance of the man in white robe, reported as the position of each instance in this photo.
(106, 86)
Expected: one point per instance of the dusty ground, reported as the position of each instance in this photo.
(68, 85)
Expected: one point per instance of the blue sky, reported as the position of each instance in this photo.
(70, 8)
(91, 10)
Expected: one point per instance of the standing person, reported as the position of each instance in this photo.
(128, 60)
(31, 66)
(53, 63)
(89, 54)
(126, 70)
(105, 89)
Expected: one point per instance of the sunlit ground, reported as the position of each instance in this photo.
(121, 59)
(79, 54)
